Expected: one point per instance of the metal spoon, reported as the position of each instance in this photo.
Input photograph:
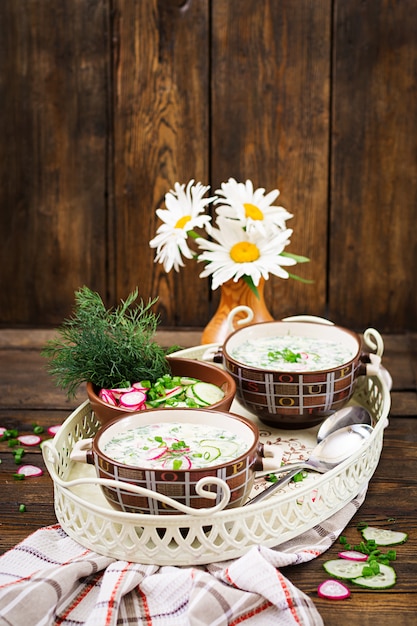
(344, 417)
(334, 449)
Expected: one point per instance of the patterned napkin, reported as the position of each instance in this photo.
(50, 579)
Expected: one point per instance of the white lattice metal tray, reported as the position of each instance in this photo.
(183, 539)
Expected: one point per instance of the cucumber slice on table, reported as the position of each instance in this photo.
(383, 580)
(383, 537)
(343, 568)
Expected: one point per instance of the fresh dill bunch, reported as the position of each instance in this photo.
(107, 347)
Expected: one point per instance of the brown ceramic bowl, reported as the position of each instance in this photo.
(206, 372)
(293, 399)
(179, 484)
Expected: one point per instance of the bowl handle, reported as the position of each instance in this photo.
(82, 451)
(308, 318)
(371, 363)
(51, 459)
(374, 341)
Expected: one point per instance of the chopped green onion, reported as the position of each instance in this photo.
(10, 433)
(299, 477)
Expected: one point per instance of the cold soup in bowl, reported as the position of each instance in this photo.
(294, 374)
(291, 353)
(169, 452)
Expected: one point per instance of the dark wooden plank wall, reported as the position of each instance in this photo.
(106, 103)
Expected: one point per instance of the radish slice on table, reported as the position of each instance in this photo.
(29, 440)
(333, 590)
(353, 555)
(52, 430)
(2, 430)
(30, 470)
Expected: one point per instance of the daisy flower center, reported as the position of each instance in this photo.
(244, 252)
(182, 221)
(253, 211)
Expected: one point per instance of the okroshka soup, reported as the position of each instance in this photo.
(169, 451)
(293, 374)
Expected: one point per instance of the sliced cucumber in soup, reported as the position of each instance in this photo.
(210, 453)
(227, 448)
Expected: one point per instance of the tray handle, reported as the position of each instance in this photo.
(51, 458)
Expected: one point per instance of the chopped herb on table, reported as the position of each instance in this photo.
(13, 439)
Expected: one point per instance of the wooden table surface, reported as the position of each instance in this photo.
(28, 396)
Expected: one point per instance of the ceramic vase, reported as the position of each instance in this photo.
(234, 294)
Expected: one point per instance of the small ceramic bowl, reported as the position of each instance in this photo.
(178, 484)
(200, 370)
(286, 398)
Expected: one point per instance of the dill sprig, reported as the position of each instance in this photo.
(108, 347)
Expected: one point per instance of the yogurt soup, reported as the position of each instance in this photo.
(292, 353)
(175, 446)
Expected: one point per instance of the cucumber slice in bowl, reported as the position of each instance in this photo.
(189, 392)
(207, 393)
(383, 580)
(383, 537)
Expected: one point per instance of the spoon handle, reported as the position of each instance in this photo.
(289, 467)
(284, 480)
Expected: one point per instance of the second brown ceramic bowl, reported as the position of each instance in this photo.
(206, 372)
(294, 399)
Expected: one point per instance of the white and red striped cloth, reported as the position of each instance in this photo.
(49, 580)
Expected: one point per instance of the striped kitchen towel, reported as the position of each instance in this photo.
(49, 579)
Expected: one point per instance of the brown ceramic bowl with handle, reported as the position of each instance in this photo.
(178, 484)
(189, 368)
(288, 397)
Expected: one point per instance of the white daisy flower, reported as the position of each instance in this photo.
(240, 253)
(182, 215)
(252, 208)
